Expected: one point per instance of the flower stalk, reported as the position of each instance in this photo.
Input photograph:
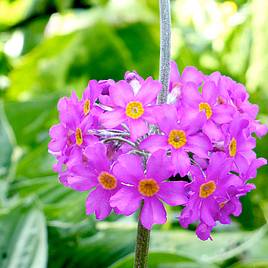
(165, 37)
(142, 246)
(143, 235)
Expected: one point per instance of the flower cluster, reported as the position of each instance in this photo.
(131, 153)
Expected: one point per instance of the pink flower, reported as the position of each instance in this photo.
(179, 139)
(150, 186)
(134, 110)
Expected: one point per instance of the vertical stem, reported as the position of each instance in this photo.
(165, 36)
(142, 246)
(143, 235)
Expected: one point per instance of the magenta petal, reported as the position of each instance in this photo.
(191, 74)
(137, 127)
(126, 200)
(121, 93)
(203, 231)
(153, 212)
(212, 131)
(159, 166)
(208, 211)
(113, 119)
(80, 183)
(241, 162)
(98, 203)
(173, 193)
(190, 95)
(148, 91)
(167, 118)
(199, 144)
(153, 143)
(210, 92)
(174, 73)
(223, 113)
(129, 168)
(181, 162)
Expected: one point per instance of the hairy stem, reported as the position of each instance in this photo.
(165, 37)
(142, 247)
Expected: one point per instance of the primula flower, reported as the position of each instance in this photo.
(117, 143)
(134, 110)
(177, 81)
(101, 177)
(206, 103)
(72, 132)
(179, 139)
(237, 145)
(150, 186)
(209, 192)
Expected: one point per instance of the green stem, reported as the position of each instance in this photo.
(143, 235)
(142, 247)
(165, 37)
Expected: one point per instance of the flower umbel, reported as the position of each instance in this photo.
(127, 151)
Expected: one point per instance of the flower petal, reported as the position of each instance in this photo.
(113, 119)
(121, 93)
(149, 91)
(159, 166)
(127, 200)
(181, 162)
(199, 144)
(209, 92)
(153, 212)
(137, 128)
(154, 143)
(129, 168)
(98, 202)
(173, 193)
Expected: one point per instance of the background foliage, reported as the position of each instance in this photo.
(50, 47)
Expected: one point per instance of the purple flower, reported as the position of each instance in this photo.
(179, 139)
(151, 186)
(134, 110)
(176, 82)
(206, 103)
(211, 191)
(97, 174)
(237, 146)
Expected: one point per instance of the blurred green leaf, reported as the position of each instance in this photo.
(23, 239)
(7, 142)
(157, 260)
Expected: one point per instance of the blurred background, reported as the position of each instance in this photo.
(50, 47)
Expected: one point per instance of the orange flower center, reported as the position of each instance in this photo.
(232, 147)
(148, 187)
(134, 109)
(207, 189)
(107, 181)
(86, 107)
(204, 106)
(78, 136)
(177, 138)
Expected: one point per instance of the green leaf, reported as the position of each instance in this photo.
(23, 239)
(158, 259)
(58, 65)
(7, 142)
(35, 117)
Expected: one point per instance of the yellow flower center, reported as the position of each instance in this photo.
(78, 136)
(177, 138)
(86, 107)
(107, 181)
(134, 109)
(207, 189)
(148, 187)
(232, 147)
(204, 106)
